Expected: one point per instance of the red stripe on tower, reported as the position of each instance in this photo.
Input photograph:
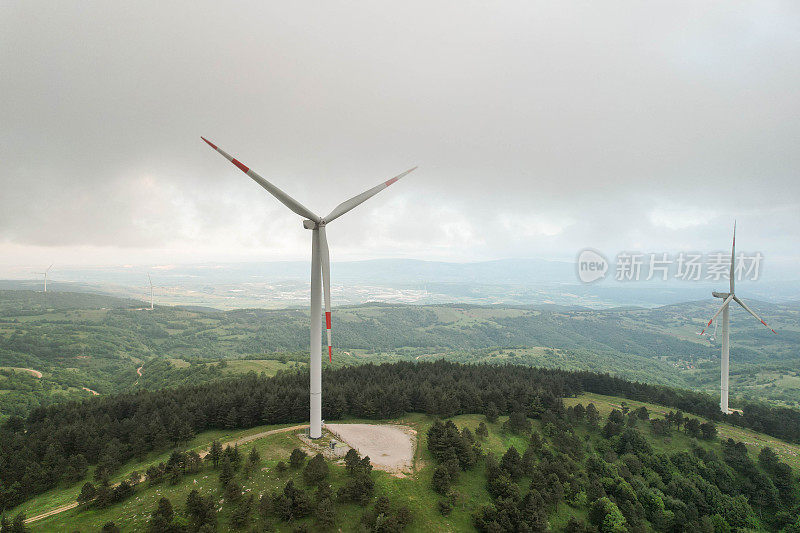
(330, 354)
(328, 319)
(240, 165)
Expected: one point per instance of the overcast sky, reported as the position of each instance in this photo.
(540, 128)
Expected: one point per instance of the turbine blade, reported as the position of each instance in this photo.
(326, 285)
(355, 201)
(733, 254)
(724, 303)
(744, 306)
(284, 198)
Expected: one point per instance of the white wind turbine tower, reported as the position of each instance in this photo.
(151, 290)
(45, 276)
(320, 260)
(724, 309)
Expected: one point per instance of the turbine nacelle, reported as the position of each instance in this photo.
(722, 295)
(310, 224)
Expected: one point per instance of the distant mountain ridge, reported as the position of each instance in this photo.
(285, 284)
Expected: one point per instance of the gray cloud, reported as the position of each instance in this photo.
(540, 127)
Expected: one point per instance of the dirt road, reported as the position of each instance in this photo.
(243, 440)
(51, 512)
(35, 373)
(256, 436)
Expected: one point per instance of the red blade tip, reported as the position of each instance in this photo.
(212, 145)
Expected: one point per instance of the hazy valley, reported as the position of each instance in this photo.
(81, 341)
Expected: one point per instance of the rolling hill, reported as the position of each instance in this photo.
(81, 341)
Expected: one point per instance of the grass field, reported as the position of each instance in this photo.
(269, 366)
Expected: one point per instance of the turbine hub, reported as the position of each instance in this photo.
(310, 224)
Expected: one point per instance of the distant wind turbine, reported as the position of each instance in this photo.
(45, 276)
(724, 309)
(151, 290)
(319, 260)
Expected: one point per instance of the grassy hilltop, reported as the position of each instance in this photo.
(465, 496)
(546, 446)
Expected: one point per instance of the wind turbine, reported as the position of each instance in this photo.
(151, 290)
(320, 260)
(45, 276)
(728, 297)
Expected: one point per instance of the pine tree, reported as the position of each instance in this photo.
(528, 460)
(708, 430)
(351, 461)
(296, 458)
(492, 413)
(358, 489)
(441, 480)
(201, 510)
(365, 465)
(592, 416)
(226, 472)
(88, 492)
(323, 491)
(161, 519)
(325, 514)
(253, 458)
(265, 506)
(233, 491)
(215, 453)
(512, 463)
(18, 525)
(316, 470)
(241, 513)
